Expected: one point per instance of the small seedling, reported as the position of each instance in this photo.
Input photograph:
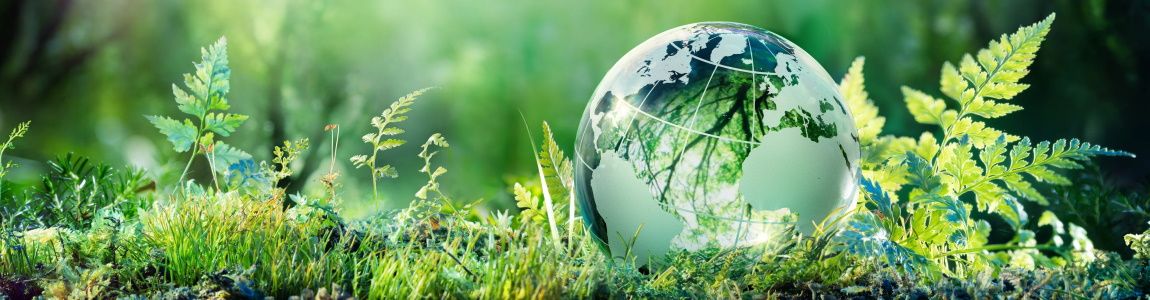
(380, 141)
(205, 99)
(16, 133)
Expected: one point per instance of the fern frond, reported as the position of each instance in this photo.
(868, 239)
(866, 117)
(998, 168)
(379, 140)
(209, 84)
(556, 167)
(924, 108)
(529, 205)
(1040, 162)
(182, 135)
(204, 97)
(977, 83)
(15, 134)
(427, 154)
(223, 155)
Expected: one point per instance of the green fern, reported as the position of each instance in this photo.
(559, 174)
(380, 141)
(1140, 243)
(16, 133)
(426, 154)
(285, 155)
(866, 116)
(971, 158)
(543, 204)
(204, 97)
(531, 209)
(5, 166)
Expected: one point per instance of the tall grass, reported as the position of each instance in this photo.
(201, 235)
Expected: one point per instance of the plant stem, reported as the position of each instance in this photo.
(187, 166)
(374, 189)
(212, 165)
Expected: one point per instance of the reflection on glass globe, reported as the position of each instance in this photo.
(713, 135)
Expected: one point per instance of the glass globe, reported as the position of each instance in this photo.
(712, 135)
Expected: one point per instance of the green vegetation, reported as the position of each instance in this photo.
(206, 99)
(930, 227)
(90, 231)
(379, 142)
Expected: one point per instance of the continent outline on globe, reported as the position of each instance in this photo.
(687, 110)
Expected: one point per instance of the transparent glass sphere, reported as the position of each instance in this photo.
(713, 135)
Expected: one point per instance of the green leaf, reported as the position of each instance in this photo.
(1012, 210)
(881, 199)
(1044, 174)
(1019, 153)
(182, 135)
(952, 82)
(980, 135)
(866, 238)
(389, 144)
(391, 131)
(988, 196)
(387, 171)
(1048, 218)
(188, 103)
(924, 108)
(1023, 188)
(224, 155)
(922, 174)
(958, 168)
(992, 157)
(209, 83)
(222, 123)
(990, 109)
(865, 113)
(528, 203)
(556, 167)
(360, 161)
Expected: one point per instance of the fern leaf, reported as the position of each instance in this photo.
(1023, 188)
(391, 131)
(992, 157)
(188, 103)
(360, 161)
(924, 108)
(998, 68)
(866, 117)
(557, 168)
(223, 155)
(881, 199)
(181, 134)
(529, 205)
(389, 144)
(210, 82)
(387, 171)
(921, 173)
(980, 135)
(867, 238)
(222, 123)
(990, 109)
(956, 161)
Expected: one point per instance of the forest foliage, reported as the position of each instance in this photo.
(924, 227)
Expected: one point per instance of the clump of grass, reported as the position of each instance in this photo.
(207, 233)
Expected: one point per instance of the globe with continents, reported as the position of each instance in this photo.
(713, 135)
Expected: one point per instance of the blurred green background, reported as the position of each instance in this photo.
(85, 72)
